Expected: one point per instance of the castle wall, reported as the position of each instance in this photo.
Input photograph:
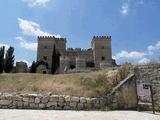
(99, 53)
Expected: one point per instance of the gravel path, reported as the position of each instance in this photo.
(73, 115)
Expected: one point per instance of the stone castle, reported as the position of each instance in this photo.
(100, 55)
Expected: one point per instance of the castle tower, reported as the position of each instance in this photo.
(102, 51)
(45, 48)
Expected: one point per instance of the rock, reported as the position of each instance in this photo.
(61, 104)
(80, 106)
(26, 99)
(41, 106)
(37, 100)
(75, 99)
(31, 100)
(61, 99)
(93, 100)
(83, 100)
(58, 108)
(20, 104)
(44, 99)
(49, 104)
(73, 104)
(5, 102)
(32, 95)
(8, 96)
(54, 98)
(19, 98)
(67, 98)
(25, 104)
(88, 100)
(67, 108)
(33, 105)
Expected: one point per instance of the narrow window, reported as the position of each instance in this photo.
(102, 47)
(45, 47)
(103, 58)
(45, 57)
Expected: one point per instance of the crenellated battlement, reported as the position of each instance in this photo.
(78, 50)
(51, 37)
(108, 37)
(42, 37)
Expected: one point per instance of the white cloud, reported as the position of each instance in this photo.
(153, 48)
(124, 9)
(129, 55)
(138, 57)
(33, 29)
(27, 45)
(32, 3)
(5, 45)
(144, 61)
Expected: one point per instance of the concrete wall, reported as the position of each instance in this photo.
(51, 102)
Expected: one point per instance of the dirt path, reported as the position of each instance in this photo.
(73, 115)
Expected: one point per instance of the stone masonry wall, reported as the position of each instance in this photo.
(123, 96)
(151, 73)
(50, 102)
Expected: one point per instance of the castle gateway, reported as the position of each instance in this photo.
(98, 56)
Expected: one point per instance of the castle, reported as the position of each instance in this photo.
(99, 56)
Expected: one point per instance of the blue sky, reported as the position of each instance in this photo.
(133, 24)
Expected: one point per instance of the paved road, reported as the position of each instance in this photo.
(73, 115)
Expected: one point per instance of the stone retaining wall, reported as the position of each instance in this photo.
(123, 96)
(151, 73)
(50, 102)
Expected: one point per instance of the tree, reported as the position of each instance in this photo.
(54, 61)
(57, 59)
(33, 67)
(9, 60)
(2, 59)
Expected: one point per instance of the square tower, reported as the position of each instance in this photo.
(102, 51)
(45, 48)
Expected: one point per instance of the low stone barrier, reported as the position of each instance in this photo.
(49, 102)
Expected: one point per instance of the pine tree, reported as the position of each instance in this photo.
(2, 59)
(9, 60)
(33, 67)
(54, 61)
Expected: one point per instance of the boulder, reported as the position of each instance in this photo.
(5, 102)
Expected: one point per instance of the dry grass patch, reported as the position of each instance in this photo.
(89, 84)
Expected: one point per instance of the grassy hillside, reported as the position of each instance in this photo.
(80, 84)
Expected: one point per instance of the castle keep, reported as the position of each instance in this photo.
(98, 56)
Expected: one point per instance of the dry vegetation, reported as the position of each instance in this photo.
(80, 84)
